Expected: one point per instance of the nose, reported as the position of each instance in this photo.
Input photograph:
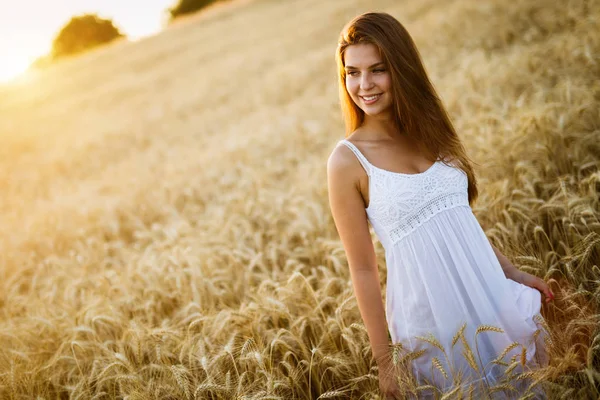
(366, 82)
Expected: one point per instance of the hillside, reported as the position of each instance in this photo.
(165, 227)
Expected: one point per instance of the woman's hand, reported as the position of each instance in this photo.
(537, 283)
(512, 272)
(388, 385)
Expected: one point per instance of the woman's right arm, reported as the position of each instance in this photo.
(349, 215)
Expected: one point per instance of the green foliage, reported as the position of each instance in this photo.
(82, 33)
(189, 6)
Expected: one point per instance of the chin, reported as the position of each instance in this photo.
(376, 110)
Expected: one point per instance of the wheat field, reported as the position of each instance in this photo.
(165, 228)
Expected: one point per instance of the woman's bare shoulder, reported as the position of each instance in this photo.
(343, 164)
(341, 155)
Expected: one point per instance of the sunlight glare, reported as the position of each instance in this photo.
(11, 68)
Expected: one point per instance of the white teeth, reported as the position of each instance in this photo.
(371, 98)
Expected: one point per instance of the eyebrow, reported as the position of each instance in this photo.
(374, 65)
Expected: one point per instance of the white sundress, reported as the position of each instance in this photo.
(442, 272)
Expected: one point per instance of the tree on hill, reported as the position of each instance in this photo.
(82, 33)
(189, 6)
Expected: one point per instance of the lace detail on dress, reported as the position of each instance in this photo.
(399, 203)
(424, 213)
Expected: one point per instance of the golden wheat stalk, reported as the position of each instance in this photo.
(451, 393)
(458, 334)
(436, 362)
(468, 354)
(508, 348)
(488, 328)
(432, 341)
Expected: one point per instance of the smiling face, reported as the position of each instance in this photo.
(367, 75)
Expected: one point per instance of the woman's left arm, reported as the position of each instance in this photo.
(511, 272)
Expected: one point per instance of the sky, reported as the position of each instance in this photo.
(27, 27)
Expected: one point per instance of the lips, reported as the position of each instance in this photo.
(373, 100)
(370, 95)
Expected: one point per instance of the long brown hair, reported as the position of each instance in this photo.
(417, 108)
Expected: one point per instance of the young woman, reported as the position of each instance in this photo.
(403, 168)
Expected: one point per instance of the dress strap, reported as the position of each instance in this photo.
(361, 158)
